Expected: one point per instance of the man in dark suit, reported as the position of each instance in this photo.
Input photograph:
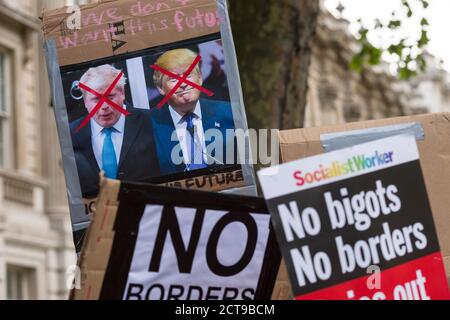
(186, 127)
(120, 146)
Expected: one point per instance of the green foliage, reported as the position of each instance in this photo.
(408, 54)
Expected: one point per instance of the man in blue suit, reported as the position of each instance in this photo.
(121, 146)
(190, 133)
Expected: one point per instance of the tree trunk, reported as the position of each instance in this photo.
(273, 41)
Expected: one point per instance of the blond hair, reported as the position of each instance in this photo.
(102, 76)
(172, 59)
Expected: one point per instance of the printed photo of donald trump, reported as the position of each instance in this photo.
(186, 121)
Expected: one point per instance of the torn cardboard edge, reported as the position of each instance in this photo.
(95, 254)
(434, 150)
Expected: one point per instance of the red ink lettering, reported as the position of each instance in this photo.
(199, 20)
(140, 9)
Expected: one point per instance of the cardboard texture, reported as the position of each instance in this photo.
(213, 183)
(434, 152)
(108, 29)
(96, 250)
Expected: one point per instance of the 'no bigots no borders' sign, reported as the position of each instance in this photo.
(357, 224)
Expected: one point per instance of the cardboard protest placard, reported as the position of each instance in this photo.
(344, 215)
(157, 243)
(431, 130)
(146, 91)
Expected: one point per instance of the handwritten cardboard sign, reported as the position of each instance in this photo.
(107, 29)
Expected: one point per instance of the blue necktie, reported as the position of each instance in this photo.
(109, 155)
(189, 118)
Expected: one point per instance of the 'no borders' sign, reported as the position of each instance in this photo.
(357, 224)
(174, 244)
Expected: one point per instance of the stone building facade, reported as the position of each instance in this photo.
(338, 95)
(430, 92)
(35, 239)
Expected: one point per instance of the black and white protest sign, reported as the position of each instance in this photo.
(206, 246)
(357, 224)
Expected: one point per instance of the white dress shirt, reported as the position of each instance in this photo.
(183, 135)
(98, 138)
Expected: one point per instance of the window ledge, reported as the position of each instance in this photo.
(28, 21)
(22, 189)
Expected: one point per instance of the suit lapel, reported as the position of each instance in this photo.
(86, 147)
(209, 118)
(133, 124)
(164, 131)
(212, 121)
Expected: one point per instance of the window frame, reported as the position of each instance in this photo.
(6, 89)
(25, 288)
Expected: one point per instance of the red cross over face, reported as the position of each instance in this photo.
(105, 102)
(181, 86)
(186, 97)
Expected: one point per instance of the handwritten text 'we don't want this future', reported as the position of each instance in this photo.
(141, 17)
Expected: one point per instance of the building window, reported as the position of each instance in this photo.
(3, 113)
(21, 283)
(5, 108)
